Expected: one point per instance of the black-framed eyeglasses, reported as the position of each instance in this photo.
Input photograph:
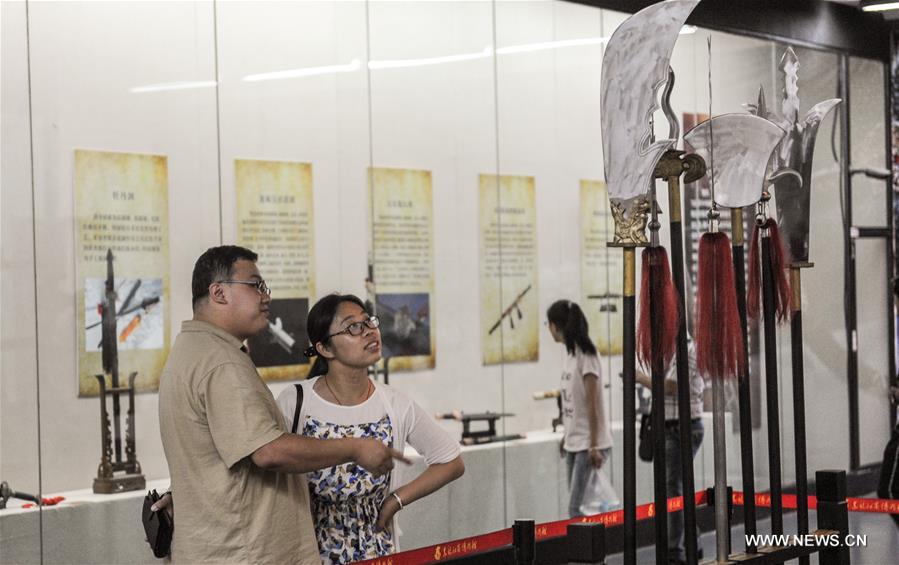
(356, 328)
(260, 285)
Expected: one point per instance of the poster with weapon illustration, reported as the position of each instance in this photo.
(121, 218)
(405, 323)
(139, 319)
(274, 218)
(401, 266)
(510, 319)
(282, 343)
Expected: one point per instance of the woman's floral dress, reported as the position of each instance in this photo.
(346, 499)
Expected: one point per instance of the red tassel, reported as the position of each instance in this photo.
(657, 278)
(779, 265)
(719, 339)
(780, 262)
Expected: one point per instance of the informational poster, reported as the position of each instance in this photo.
(601, 269)
(274, 219)
(403, 261)
(510, 319)
(121, 237)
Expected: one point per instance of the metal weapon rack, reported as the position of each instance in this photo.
(111, 461)
(476, 437)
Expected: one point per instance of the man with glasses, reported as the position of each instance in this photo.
(233, 465)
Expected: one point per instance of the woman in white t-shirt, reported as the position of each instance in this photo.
(352, 510)
(587, 443)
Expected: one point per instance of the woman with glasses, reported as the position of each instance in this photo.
(587, 442)
(352, 510)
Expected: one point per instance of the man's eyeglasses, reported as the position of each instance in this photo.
(260, 285)
(357, 328)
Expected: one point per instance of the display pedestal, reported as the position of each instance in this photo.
(107, 482)
(122, 483)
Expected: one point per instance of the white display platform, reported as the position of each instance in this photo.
(535, 484)
(528, 473)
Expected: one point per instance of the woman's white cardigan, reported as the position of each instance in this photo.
(411, 424)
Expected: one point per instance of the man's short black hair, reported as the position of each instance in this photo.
(215, 265)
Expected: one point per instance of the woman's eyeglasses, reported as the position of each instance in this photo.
(356, 328)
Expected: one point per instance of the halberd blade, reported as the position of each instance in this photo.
(794, 199)
(634, 68)
(796, 152)
(743, 144)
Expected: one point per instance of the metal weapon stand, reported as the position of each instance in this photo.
(107, 482)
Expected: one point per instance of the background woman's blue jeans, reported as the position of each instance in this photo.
(579, 467)
(674, 482)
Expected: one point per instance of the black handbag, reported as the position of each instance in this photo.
(644, 449)
(158, 526)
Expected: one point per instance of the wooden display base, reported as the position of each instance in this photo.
(122, 483)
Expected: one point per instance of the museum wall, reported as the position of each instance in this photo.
(459, 89)
(19, 447)
(84, 59)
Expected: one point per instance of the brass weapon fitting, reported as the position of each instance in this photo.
(736, 226)
(630, 271)
(796, 287)
(632, 230)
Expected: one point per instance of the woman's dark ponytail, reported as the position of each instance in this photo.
(568, 317)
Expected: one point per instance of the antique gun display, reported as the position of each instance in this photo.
(514, 306)
(479, 436)
(607, 301)
(6, 493)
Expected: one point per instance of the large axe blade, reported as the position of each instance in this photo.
(634, 68)
(743, 144)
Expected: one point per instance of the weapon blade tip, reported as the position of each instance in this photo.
(789, 54)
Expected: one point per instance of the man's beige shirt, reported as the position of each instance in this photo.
(214, 412)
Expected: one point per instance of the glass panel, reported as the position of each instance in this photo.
(868, 138)
(875, 421)
(433, 141)
(292, 101)
(19, 447)
(529, 72)
(125, 90)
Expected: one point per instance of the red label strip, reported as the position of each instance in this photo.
(875, 505)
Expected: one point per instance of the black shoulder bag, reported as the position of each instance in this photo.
(296, 412)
